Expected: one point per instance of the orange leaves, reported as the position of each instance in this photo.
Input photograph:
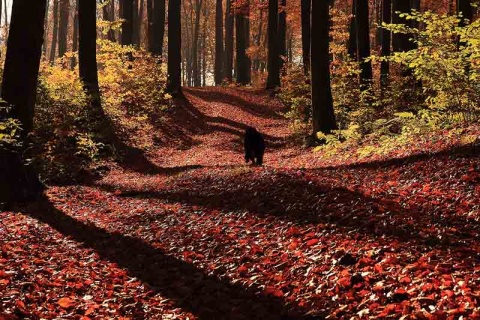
(66, 303)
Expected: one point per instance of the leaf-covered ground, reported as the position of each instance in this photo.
(188, 231)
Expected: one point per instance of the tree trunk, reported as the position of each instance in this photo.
(150, 26)
(273, 66)
(322, 101)
(63, 27)
(386, 39)
(158, 26)
(306, 8)
(75, 35)
(87, 51)
(464, 7)
(135, 25)
(219, 49)
(108, 13)
(243, 71)
(22, 61)
(196, 38)
(229, 26)
(45, 28)
(352, 40)
(363, 42)
(400, 41)
(282, 32)
(53, 47)
(174, 48)
(127, 26)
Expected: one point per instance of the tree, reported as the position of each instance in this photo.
(19, 87)
(352, 40)
(242, 26)
(305, 13)
(229, 26)
(127, 26)
(401, 41)
(136, 20)
(273, 66)
(156, 26)
(219, 49)
(196, 38)
(464, 8)
(282, 32)
(63, 27)
(322, 101)
(363, 42)
(108, 12)
(75, 35)
(174, 48)
(385, 40)
(53, 46)
(87, 50)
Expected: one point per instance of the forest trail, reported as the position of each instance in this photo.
(198, 234)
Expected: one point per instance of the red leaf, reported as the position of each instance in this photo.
(66, 303)
(312, 242)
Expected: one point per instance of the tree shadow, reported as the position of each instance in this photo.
(255, 106)
(205, 295)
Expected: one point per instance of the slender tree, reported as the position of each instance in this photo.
(53, 46)
(282, 32)
(464, 8)
(385, 40)
(273, 66)
(174, 72)
(306, 8)
(87, 56)
(322, 101)
(400, 41)
(363, 42)
(127, 26)
(196, 40)
(75, 35)
(136, 20)
(158, 26)
(229, 26)
(242, 27)
(219, 49)
(63, 27)
(352, 39)
(108, 12)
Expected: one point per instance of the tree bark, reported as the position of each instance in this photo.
(63, 27)
(87, 51)
(400, 41)
(135, 25)
(363, 42)
(322, 101)
(22, 61)
(243, 71)
(273, 66)
(127, 26)
(158, 26)
(386, 39)
(229, 26)
(108, 12)
(306, 8)
(464, 7)
(219, 49)
(174, 48)
(75, 35)
(53, 47)
(196, 38)
(282, 32)
(352, 40)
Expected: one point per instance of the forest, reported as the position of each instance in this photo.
(127, 128)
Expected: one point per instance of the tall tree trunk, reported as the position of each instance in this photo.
(273, 66)
(401, 42)
(75, 35)
(464, 7)
(135, 25)
(258, 39)
(306, 8)
(158, 26)
(322, 101)
(363, 42)
(150, 26)
(127, 26)
(229, 26)
(45, 28)
(87, 51)
(108, 12)
(219, 49)
(22, 61)
(19, 88)
(282, 32)
(352, 40)
(63, 27)
(53, 47)
(386, 39)
(174, 48)
(243, 63)
(196, 38)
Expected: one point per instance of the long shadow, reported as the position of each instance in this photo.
(186, 120)
(253, 107)
(291, 197)
(206, 296)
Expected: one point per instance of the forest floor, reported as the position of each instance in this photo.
(188, 231)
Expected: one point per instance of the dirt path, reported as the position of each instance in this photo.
(197, 234)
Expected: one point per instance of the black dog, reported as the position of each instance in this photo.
(254, 146)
